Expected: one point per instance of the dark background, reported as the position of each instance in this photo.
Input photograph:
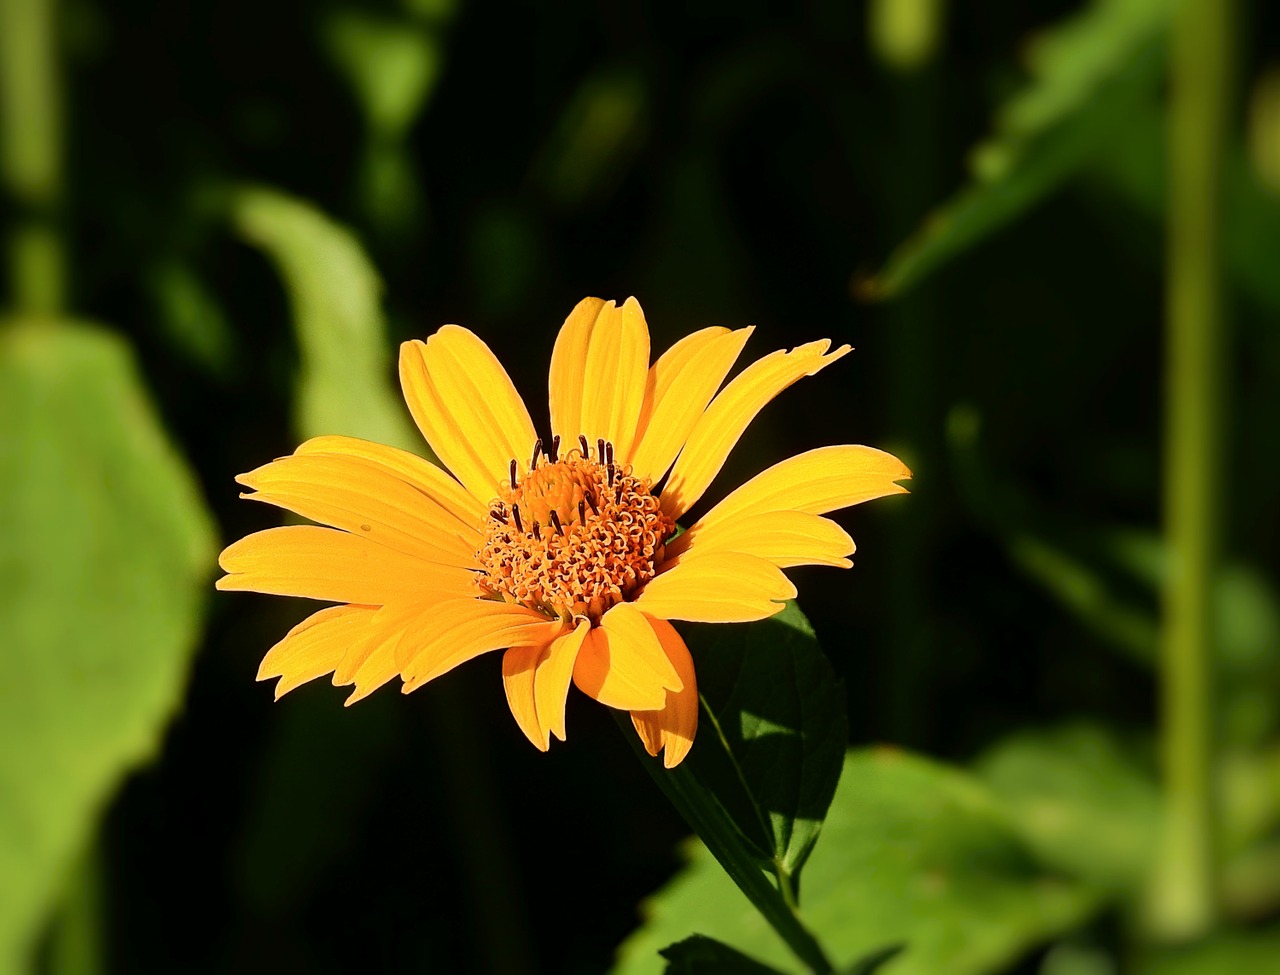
(766, 156)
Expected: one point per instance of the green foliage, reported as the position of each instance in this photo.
(758, 782)
(913, 853)
(1088, 76)
(105, 553)
(700, 955)
(344, 387)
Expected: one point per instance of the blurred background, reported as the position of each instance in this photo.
(221, 218)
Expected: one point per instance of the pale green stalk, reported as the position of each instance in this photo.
(1184, 890)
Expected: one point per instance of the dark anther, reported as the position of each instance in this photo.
(513, 473)
(553, 454)
(537, 449)
(582, 439)
(515, 513)
(497, 514)
(582, 512)
(537, 532)
(611, 469)
(608, 451)
(555, 520)
(591, 501)
(617, 498)
(600, 450)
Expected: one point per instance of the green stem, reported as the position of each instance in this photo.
(31, 153)
(1184, 893)
(75, 942)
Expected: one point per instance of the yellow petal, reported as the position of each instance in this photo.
(727, 417)
(458, 629)
(785, 538)
(555, 670)
(598, 370)
(720, 587)
(674, 726)
(623, 665)
(537, 682)
(467, 407)
(680, 385)
(816, 482)
(370, 661)
(336, 566)
(315, 646)
(420, 474)
(367, 500)
(518, 666)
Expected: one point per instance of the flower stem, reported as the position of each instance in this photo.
(1183, 896)
(31, 153)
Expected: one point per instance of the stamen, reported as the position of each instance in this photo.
(537, 533)
(555, 520)
(591, 501)
(515, 513)
(497, 514)
(513, 473)
(582, 439)
(553, 454)
(600, 450)
(537, 449)
(608, 451)
(582, 511)
(610, 469)
(617, 498)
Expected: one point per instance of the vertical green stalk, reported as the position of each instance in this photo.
(1183, 898)
(31, 154)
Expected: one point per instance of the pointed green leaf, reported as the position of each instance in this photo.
(705, 956)
(106, 552)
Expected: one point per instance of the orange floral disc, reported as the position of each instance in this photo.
(574, 536)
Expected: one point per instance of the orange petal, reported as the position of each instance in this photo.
(785, 538)
(720, 587)
(555, 670)
(467, 407)
(727, 417)
(315, 646)
(674, 726)
(623, 665)
(336, 566)
(518, 666)
(679, 387)
(370, 661)
(458, 629)
(816, 482)
(598, 369)
(367, 500)
(420, 474)
(537, 682)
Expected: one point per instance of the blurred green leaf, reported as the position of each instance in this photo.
(1089, 75)
(914, 853)
(345, 386)
(105, 554)
(1230, 953)
(706, 956)
(757, 784)
(1080, 800)
(194, 323)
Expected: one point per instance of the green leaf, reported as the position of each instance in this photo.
(913, 852)
(345, 386)
(706, 956)
(1080, 800)
(774, 732)
(1229, 953)
(764, 768)
(1089, 74)
(106, 551)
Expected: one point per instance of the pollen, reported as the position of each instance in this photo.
(574, 536)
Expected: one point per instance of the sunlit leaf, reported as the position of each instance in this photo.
(105, 555)
(346, 382)
(914, 853)
(1088, 75)
(1080, 799)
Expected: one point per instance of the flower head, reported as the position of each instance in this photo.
(562, 551)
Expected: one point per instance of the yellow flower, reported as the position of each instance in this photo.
(559, 551)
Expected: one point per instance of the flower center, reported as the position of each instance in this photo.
(574, 536)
